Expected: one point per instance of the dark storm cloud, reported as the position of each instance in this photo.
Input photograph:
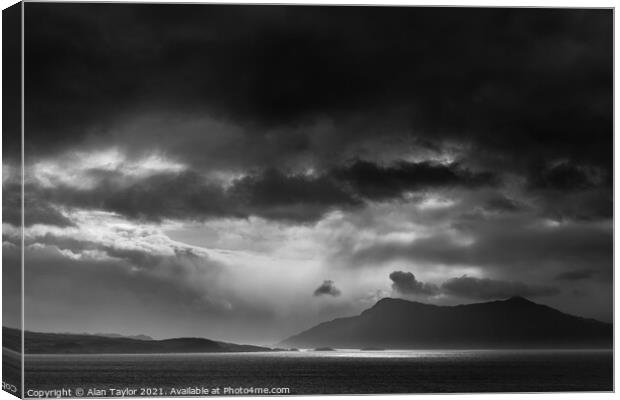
(519, 86)
(184, 195)
(328, 287)
(406, 283)
(565, 177)
(503, 244)
(577, 275)
(468, 287)
(188, 195)
(11, 84)
(380, 182)
(485, 289)
(271, 194)
(582, 205)
(293, 197)
(38, 211)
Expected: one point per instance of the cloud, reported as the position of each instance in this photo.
(378, 182)
(502, 204)
(37, 210)
(289, 66)
(576, 275)
(565, 176)
(406, 283)
(154, 188)
(328, 287)
(188, 195)
(143, 251)
(502, 244)
(493, 157)
(485, 288)
(296, 197)
(595, 204)
(405, 127)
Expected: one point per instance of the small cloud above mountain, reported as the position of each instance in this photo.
(406, 283)
(328, 287)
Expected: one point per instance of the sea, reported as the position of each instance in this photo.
(319, 372)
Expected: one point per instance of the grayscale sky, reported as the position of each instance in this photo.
(244, 172)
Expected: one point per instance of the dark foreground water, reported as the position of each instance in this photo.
(338, 372)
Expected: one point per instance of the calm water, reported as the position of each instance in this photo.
(339, 372)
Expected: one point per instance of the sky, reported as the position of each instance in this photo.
(243, 173)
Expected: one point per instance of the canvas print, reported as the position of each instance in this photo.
(291, 200)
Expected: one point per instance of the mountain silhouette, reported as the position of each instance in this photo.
(512, 323)
(64, 343)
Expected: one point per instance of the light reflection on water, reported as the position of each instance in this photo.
(336, 353)
(336, 372)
